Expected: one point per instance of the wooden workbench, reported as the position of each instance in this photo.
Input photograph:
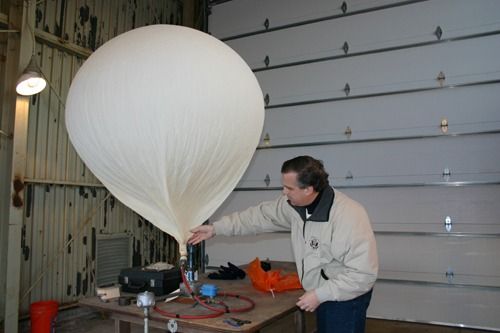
(268, 309)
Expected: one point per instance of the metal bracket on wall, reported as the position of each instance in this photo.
(266, 99)
(345, 47)
(266, 61)
(449, 275)
(266, 23)
(348, 132)
(438, 32)
(446, 174)
(344, 7)
(267, 139)
(347, 89)
(267, 180)
(447, 223)
(441, 78)
(444, 125)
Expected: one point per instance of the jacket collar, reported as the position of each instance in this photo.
(322, 211)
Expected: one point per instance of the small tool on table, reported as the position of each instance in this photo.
(236, 322)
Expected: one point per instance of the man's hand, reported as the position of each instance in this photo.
(309, 301)
(201, 233)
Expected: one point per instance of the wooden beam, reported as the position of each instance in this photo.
(61, 44)
(15, 119)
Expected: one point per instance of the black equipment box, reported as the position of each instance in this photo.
(139, 279)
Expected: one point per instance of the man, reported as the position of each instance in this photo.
(332, 240)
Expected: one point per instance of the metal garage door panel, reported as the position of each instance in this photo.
(243, 249)
(370, 31)
(240, 200)
(473, 260)
(394, 162)
(472, 209)
(246, 16)
(377, 73)
(389, 116)
(407, 209)
(455, 306)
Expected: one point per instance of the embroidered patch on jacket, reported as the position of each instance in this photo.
(314, 243)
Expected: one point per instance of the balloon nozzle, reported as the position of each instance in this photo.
(183, 261)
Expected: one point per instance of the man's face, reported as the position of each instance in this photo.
(297, 196)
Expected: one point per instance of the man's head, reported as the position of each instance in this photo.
(303, 177)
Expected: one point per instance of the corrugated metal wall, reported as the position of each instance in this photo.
(59, 240)
(5, 155)
(66, 208)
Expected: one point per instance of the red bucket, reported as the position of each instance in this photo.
(42, 315)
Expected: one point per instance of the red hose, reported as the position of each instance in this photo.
(218, 312)
(176, 315)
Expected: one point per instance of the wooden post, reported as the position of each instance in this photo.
(15, 116)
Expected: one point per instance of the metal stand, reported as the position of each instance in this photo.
(145, 301)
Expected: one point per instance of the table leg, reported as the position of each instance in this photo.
(300, 321)
(121, 326)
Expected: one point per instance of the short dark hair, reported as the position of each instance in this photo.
(310, 172)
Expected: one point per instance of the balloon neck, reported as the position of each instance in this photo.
(183, 251)
(183, 262)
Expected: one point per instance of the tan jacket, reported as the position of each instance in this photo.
(335, 250)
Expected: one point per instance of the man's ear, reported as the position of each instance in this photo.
(309, 190)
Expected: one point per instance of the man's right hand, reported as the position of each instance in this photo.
(201, 233)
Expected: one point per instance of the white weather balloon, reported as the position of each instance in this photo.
(167, 118)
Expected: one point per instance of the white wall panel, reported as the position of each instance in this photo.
(460, 306)
(238, 17)
(377, 73)
(407, 209)
(472, 259)
(393, 162)
(467, 109)
(373, 30)
(424, 209)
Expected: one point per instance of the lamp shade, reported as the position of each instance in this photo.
(31, 81)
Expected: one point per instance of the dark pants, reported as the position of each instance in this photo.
(343, 317)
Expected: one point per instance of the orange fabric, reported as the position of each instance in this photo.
(271, 280)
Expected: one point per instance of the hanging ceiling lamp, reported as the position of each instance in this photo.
(31, 81)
